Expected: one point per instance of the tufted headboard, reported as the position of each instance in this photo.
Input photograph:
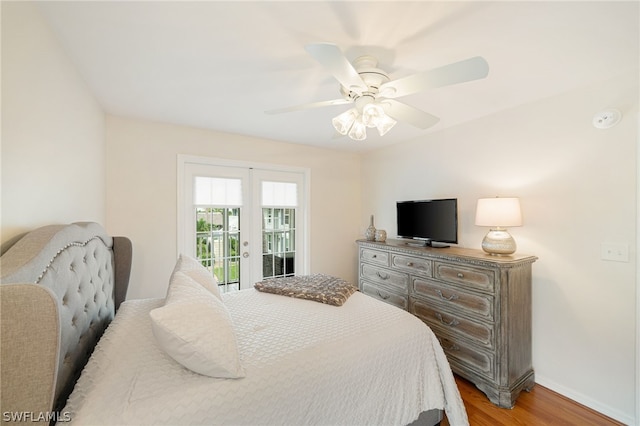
(60, 288)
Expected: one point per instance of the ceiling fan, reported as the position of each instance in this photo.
(374, 93)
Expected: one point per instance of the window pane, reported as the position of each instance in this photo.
(234, 219)
(290, 218)
(278, 242)
(218, 243)
(267, 265)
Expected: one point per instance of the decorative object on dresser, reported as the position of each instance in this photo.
(381, 235)
(498, 213)
(370, 233)
(478, 305)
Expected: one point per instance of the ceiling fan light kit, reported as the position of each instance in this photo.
(373, 93)
(354, 122)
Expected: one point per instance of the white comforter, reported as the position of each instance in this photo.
(364, 363)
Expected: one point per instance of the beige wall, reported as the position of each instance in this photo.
(577, 186)
(53, 164)
(142, 194)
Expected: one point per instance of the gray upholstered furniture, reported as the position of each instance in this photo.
(60, 288)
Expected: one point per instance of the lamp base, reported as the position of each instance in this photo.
(498, 242)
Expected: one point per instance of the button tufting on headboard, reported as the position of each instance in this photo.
(76, 262)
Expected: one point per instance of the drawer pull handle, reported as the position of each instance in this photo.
(381, 275)
(453, 347)
(450, 347)
(450, 298)
(384, 296)
(460, 275)
(374, 256)
(451, 323)
(409, 263)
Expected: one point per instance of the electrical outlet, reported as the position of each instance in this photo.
(615, 252)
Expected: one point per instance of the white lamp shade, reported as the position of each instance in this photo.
(501, 212)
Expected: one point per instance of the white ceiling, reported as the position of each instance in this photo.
(220, 65)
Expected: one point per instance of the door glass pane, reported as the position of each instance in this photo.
(279, 200)
(218, 244)
(278, 242)
(218, 227)
(204, 219)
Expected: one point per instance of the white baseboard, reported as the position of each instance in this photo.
(586, 401)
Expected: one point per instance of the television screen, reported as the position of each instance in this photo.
(430, 220)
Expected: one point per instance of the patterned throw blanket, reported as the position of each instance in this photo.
(317, 287)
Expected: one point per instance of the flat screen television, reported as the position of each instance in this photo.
(431, 222)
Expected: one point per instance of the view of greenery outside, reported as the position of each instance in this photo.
(217, 242)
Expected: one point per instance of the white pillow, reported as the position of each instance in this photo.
(195, 329)
(194, 269)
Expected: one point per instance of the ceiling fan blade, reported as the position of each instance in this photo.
(408, 114)
(467, 70)
(331, 57)
(309, 106)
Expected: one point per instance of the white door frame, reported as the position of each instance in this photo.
(304, 203)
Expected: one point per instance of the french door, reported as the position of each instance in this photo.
(243, 222)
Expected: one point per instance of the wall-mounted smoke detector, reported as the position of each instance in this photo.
(607, 118)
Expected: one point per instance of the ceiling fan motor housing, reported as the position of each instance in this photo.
(373, 77)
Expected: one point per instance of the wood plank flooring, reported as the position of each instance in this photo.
(540, 407)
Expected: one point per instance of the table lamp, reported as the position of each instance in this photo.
(498, 213)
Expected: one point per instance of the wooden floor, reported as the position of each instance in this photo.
(539, 407)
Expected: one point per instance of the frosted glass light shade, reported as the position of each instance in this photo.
(385, 123)
(372, 114)
(344, 121)
(358, 131)
(500, 212)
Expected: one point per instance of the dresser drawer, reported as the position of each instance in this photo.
(464, 357)
(381, 293)
(414, 265)
(454, 299)
(396, 280)
(374, 256)
(479, 278)
(439, 319)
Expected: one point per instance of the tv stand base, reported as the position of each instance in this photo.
(427, 244)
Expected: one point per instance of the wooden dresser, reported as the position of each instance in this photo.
(478, 305)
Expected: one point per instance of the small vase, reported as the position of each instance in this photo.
(370, 233)
(381, 235)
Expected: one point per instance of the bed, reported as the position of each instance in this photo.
(284, 360)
